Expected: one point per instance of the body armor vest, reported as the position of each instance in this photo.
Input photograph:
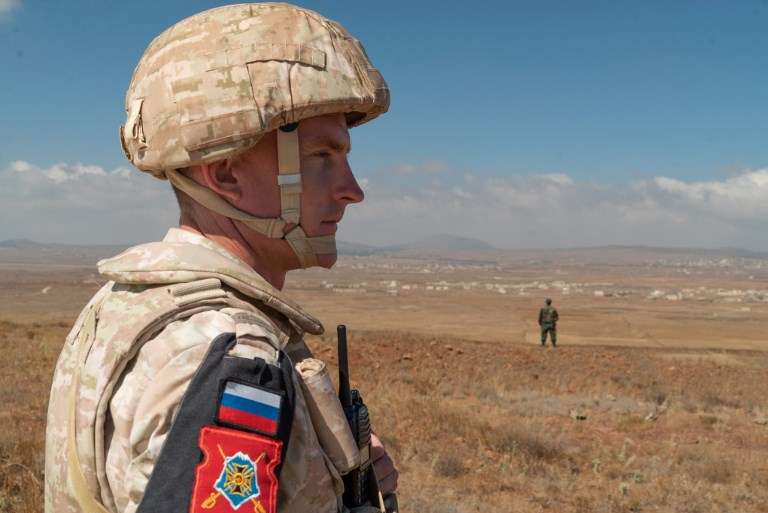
(151, 286)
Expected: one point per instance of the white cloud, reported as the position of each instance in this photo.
(20, 166)
(78, 203)
(81, 203)
(740, 197)
(558, 178)
(430, 167)
(7, 6)
(555, 210)
(61, 172)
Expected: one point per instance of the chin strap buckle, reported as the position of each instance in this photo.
(289, 177)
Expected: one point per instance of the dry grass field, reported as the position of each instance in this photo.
(655, 401)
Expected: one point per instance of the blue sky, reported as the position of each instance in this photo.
(608, 94)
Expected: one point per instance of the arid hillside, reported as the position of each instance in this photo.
(654, 402)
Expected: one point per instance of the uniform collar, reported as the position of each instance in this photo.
(186, 236)
(184, 256)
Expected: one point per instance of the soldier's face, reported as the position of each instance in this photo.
(327, 180)
(328, 184)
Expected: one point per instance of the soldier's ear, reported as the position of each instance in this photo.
(219, 178)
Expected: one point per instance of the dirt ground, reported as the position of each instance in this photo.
(654, 401)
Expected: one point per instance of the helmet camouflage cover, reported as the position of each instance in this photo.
(213, 84)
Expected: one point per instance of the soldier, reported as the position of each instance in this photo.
(548, 322)
(191, 348)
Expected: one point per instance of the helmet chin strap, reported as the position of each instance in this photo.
(289, 180)
(307, 249)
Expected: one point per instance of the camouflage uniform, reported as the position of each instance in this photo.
(137, 417)
(548, 317)
(205, 90)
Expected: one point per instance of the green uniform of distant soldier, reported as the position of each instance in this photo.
(548, 322)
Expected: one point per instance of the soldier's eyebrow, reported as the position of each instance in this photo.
(326, 142)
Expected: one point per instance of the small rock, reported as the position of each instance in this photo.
(407, 357)
(610, 397)
(657, 411)
(762, 421)
(576, 415)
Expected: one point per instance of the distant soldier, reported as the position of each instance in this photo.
(548, 322)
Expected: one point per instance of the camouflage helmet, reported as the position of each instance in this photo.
(213, 84)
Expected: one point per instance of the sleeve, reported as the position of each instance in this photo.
(148, 396)
(555, 316)
(541, 315)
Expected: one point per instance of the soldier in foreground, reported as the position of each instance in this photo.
(191, 349)
(548, 317)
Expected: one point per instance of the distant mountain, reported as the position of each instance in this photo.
(355, 249)
(442, 243)
(631, 255)
(743, 253)
(27, 251)
(440, 246)
(661, 251)
(18, 243)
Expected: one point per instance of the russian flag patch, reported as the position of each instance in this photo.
(250, 407)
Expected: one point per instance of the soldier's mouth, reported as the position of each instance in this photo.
(329, 227)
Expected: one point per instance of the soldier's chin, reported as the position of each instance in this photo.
(327, 261)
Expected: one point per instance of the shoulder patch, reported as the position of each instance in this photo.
(250, 407)
(237, 471)
(227, 444)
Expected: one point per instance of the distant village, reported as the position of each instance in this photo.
(411, 276)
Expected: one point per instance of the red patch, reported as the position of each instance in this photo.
(240, 418)
(237, 472)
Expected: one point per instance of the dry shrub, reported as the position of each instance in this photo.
(435, 505)
(712, 399)
(706, 464)
(645, 383)
(629, 422)
(713, 471)
(449, 465)
(656, 394)
(6, 326)
(621, 381)
(21, 489)
(450, 423)
(583, 505)
(25, 374)
(513, 440)
(708, 420)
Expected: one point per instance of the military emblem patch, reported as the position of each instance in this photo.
(237, 472)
